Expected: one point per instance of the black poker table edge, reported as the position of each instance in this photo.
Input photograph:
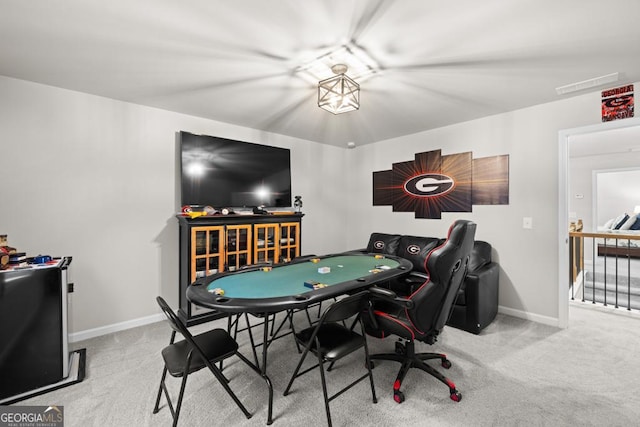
(197, 292)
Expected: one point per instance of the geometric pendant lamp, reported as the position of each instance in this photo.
(339, 94)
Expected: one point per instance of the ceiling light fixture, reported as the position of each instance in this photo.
(339, 94)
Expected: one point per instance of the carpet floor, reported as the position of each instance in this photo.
(515, 373)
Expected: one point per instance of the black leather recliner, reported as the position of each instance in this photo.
(412, 248)
(423, 314)
(477, 303)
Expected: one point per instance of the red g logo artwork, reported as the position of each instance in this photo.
(432, 183)
(429, 185)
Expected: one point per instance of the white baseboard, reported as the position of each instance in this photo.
(116, 327)
(122, 326)
(551, 321)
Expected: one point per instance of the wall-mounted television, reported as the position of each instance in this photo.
(221, 173)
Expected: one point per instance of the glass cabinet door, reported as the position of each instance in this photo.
(266, 243)
(207, 250)
(289, 241)
(238, 246)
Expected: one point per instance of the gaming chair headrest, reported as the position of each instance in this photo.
(454, 252)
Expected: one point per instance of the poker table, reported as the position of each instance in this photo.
(266, 290)
(294, 285)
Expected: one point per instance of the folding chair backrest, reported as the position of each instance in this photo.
(345, 308)
(174, 321)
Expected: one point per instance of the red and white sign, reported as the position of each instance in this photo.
(617, 103)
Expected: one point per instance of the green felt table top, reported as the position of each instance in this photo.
(288, 279)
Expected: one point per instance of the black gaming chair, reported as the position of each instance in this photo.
(422, 315)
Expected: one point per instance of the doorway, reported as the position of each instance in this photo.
(590, 137)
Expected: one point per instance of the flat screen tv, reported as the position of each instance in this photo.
(224, 173)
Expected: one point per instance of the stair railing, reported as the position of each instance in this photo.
(606, 247)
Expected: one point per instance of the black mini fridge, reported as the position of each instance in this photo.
(34, 346)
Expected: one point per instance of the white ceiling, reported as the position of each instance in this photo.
(236, 61)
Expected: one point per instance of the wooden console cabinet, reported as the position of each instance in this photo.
(219, 243)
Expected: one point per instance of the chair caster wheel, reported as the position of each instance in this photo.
(446, 364)
(398, 396)
(371, 364)
(456, 396)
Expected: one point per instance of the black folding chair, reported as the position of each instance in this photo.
(194, 353)
(330, 340)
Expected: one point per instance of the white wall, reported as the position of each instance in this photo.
(580, 192)
(528, 258)
(96, 179)
(617, 193)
